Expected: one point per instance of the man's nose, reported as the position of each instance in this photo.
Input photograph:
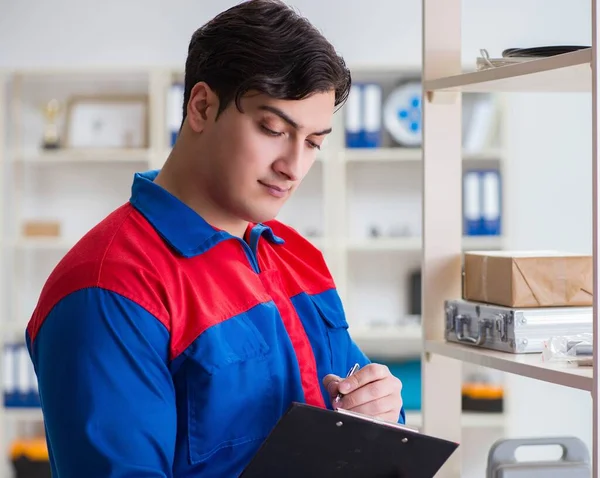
(290, 164)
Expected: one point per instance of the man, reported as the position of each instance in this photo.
(174, 335)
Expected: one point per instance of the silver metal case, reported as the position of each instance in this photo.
(512, 330)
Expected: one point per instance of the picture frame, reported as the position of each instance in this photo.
(107, 122)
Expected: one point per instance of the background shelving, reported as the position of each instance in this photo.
(347, 193)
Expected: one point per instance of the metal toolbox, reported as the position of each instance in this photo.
(509, 329)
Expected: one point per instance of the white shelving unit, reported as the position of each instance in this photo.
(444, 84)
(345, 189)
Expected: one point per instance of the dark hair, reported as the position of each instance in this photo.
(266, 46)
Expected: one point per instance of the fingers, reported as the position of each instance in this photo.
(373, 391)
(385, 408)
(331, 383)
(370, 373)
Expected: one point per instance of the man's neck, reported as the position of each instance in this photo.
(174, 179)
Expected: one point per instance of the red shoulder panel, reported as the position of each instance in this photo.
(301, 264)
(124, 254)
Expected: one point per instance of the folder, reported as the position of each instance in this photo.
(11, 398)
(491, 207)
(354, 117)
(174, 111)
(472, 203)
(372, 94)
(314, 442)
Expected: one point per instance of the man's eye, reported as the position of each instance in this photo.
(269, 131)
(313, 145)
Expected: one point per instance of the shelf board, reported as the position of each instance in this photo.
(384, 244)
(391, 342)
(382, 154)
(527, 365)
(399, 154)
(482, 242)
(42, 243)
(24, 414)
(569, 72)
(14, 327)
(468, 419)
(389, 244)
(319, 242)
(86, 156)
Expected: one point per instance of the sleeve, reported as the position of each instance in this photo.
(105, 388)
(356, 355)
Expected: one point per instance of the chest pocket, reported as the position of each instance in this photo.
(325, 317)
(231, 395)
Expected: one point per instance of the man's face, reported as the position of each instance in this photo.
(259, 157)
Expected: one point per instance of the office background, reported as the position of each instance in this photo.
(547, 204)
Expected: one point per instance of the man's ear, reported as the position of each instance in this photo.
(202, 106)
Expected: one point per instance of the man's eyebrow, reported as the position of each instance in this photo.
(289, 120)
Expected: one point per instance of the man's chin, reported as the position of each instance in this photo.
(261, 216)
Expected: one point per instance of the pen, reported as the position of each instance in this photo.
(354, 368)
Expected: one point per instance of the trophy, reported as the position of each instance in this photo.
(51, 139)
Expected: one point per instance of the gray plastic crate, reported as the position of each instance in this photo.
(574, 463)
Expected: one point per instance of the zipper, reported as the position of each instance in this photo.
(250, 255)
(251, 249)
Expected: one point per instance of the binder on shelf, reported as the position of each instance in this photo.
(363, 117)
(472, 203)
(482, 196)
(491, 209)
(481, 123)
(174, 111)
(9, 382)
(353, 116)
(372, 97)
(20, 382)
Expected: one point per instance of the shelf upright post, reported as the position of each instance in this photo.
(3, 295)
(595, 234)
(442, 225)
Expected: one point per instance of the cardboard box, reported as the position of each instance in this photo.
(41, 229)
(528, 279)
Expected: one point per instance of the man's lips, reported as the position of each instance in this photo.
(275, 190)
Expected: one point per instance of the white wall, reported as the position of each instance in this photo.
(540, 184)
(550, 207)
(143, 32)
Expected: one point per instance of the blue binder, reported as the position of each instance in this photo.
(174, 111)
(372, 98)
(363, 118)
(472, 204)
(20, 382)
(482, 203)
(353, 117)
(491, 203)
(11, 398)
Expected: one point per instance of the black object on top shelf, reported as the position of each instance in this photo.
(541, 51)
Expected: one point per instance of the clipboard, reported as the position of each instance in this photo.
(313, 442)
